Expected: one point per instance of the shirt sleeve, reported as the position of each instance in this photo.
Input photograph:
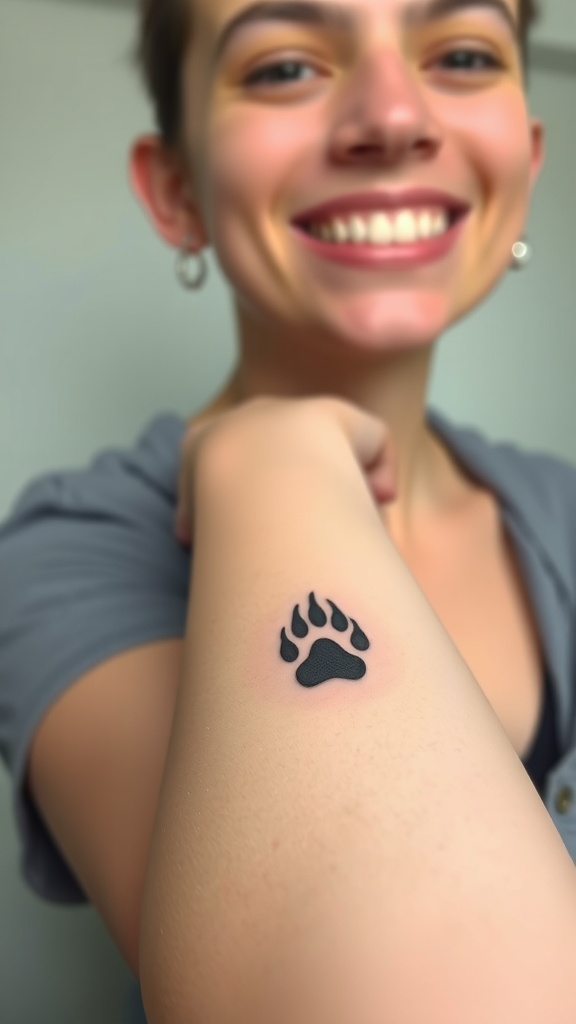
(89, 567)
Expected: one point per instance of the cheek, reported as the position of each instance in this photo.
(252, 157)
(494, 138)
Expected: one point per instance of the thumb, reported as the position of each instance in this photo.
(374, 449)
(382, 473)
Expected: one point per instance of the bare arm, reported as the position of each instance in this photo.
(365, 850)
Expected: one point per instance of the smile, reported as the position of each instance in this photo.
(382, 228)
(392, 240)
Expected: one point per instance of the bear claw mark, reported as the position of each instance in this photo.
(326, 659)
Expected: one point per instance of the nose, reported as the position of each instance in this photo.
(382, 117)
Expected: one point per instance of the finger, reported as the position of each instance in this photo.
(375, 451)
(382, 483)
(370, 435)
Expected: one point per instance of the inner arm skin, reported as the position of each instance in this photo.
(357, 851)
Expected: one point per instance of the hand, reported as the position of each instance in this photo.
(367, 436)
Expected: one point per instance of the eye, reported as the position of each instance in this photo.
(281, 71)
(463, 58)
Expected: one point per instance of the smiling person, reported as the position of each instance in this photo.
(338, 713)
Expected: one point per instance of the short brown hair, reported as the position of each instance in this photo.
(164, 33)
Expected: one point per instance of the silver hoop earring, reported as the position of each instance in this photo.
(183, 270)
(521, 255)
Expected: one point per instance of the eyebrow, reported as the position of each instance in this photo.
(338, 16)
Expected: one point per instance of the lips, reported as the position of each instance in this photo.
(383, 200)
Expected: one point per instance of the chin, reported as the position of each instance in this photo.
(409, 320)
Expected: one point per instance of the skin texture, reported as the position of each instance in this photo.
(383, 107)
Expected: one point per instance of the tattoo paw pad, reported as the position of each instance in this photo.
(326, 658)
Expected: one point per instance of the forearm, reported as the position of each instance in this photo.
(378, 834)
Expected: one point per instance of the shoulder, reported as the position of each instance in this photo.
(89, 565)
(537, 481)
(89, 568)
(81, 541)
(114, 477)
(535, 491)
(122, 493)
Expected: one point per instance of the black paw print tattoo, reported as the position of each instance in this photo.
(326, 658)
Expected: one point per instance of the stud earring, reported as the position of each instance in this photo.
(521, 255)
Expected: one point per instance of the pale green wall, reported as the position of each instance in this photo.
(96, 338)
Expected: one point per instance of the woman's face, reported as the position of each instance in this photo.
(388, 95)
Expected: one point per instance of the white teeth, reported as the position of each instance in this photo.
(340, 231)
(406, 227)
(426, 225)
(358, 229)
(384, 228)
(380, 229)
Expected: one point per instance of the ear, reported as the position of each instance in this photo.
(160, 182)
(538, 150)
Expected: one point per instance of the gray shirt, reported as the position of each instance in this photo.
(90, 567)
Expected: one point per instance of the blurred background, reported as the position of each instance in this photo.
(97, 338)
